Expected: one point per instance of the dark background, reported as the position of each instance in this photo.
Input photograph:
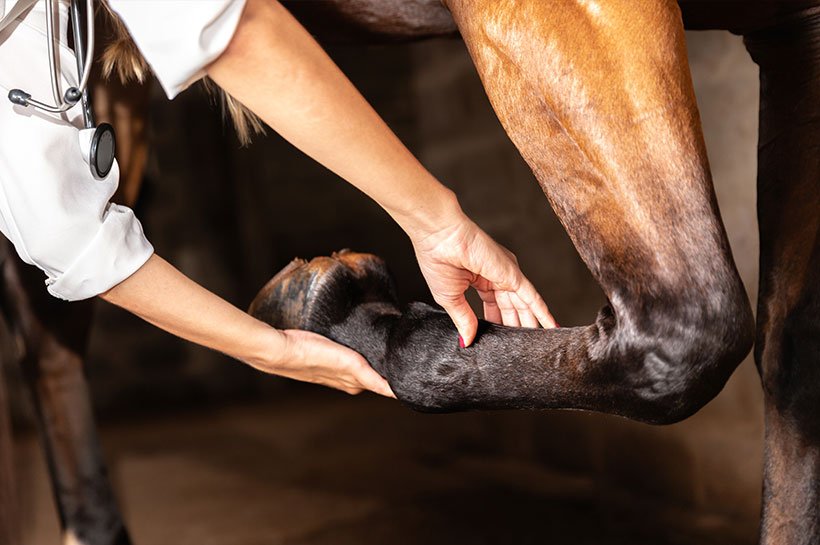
(231, 217)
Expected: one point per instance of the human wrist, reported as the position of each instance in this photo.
(435, 212)
(268, 349)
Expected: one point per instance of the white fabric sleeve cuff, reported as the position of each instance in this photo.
(179, 38)
(117, 251)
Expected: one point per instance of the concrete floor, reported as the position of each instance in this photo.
(324, 469)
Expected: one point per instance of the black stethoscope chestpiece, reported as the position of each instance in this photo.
(102, 150)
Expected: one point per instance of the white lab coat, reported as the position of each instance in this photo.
(57, 215)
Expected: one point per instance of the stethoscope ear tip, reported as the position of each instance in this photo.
(84, 52)
(99, 148)
(73, 95)
(19, 97)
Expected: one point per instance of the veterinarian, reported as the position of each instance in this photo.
(58, 213)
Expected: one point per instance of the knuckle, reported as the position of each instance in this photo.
(527, 295)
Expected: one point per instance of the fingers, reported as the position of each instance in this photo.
(491, 311)
(319, 360)
(520, 303)
(374, 382)
(360, 376)
(525, 315)
(509, 314)
(462, 316)
(523, 307)
(530, 299)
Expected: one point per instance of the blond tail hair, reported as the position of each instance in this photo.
(123, 58)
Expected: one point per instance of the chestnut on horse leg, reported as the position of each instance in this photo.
(788, 321)
(598, 99)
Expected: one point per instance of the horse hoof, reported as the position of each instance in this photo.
(315, 294)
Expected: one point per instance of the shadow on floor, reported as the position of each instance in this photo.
(324, 469)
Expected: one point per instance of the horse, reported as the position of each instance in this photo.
(598, 99)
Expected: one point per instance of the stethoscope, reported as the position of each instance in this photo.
(99, 152)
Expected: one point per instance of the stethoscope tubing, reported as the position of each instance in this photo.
(102, 146)
(85, 59)
(84, 52)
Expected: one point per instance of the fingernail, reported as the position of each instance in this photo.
(460, 342)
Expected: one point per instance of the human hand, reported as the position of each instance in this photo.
(309, 357)
(162, 295)
(461, 255)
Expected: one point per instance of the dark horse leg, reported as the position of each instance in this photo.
(598, 99)
(55, 334)
(9, 523)
(788, 321)
(372, 20)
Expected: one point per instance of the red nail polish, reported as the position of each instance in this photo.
(460, 342)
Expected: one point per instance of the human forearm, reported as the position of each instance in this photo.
(275, 68)
(163, 296)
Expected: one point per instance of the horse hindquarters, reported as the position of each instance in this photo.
(788, 323)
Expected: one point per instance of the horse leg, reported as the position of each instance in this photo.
(598, 98)
(372, 21)
(55, 335)
(788, 320)
(9, 526)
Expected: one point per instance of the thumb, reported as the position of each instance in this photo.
(463, 317)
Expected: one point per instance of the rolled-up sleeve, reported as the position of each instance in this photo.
(56, 213)
(115, 251)
(179, 38)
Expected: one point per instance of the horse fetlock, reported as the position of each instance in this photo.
(425, 366)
